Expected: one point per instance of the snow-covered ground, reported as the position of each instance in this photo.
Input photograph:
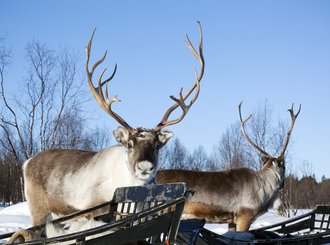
(17, 217)
(269, 218)
(14, 217)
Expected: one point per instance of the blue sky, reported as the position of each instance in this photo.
(254, 50)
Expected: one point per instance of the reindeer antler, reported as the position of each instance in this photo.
(181, 100)
(293, 120)
(245, 134)
(288, 135)
(103, 101)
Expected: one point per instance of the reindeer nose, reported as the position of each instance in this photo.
(145, 166)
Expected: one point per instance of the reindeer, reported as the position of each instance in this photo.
(236, 196)
(63, 181)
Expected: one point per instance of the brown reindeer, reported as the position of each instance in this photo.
(236, 196)
(64, 181)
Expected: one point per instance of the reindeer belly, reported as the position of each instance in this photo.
(58, 207)
(213, 206)
(211, 213)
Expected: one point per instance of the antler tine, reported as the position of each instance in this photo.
(181, 101)
(104, 102)
(245, 134)
(288, 135)
(199, 56)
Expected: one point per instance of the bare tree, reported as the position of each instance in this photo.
(211, 164)
(48, 100)
(44, 113)
(6, 125)
(198, 159)
(174, 155)
(230, 152)
(264, 133)
(68, 92)
(96, 139)
(232, 149)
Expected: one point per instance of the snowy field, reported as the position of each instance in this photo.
(14, 217)
(17, 217)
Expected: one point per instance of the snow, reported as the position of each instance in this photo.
(17, 217)
(269, 218)
(14, 217)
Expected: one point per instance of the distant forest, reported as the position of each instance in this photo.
(47, 112)
(304, 192)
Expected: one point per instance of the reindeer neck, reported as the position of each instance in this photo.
(271, 177)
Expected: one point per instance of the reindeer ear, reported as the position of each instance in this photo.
(164, 136)
(121, 134)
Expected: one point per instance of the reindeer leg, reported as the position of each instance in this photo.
(244, 219)
(38, 205)
(243, 223)
(231, 226)
(23, 236)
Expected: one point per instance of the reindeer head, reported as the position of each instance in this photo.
(142, 148)
(142, 145)
(269, 161)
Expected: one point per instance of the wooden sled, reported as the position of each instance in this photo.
(136, 215)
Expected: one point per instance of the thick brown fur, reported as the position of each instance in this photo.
(235, 196)
(63, 181)
(36, 183)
